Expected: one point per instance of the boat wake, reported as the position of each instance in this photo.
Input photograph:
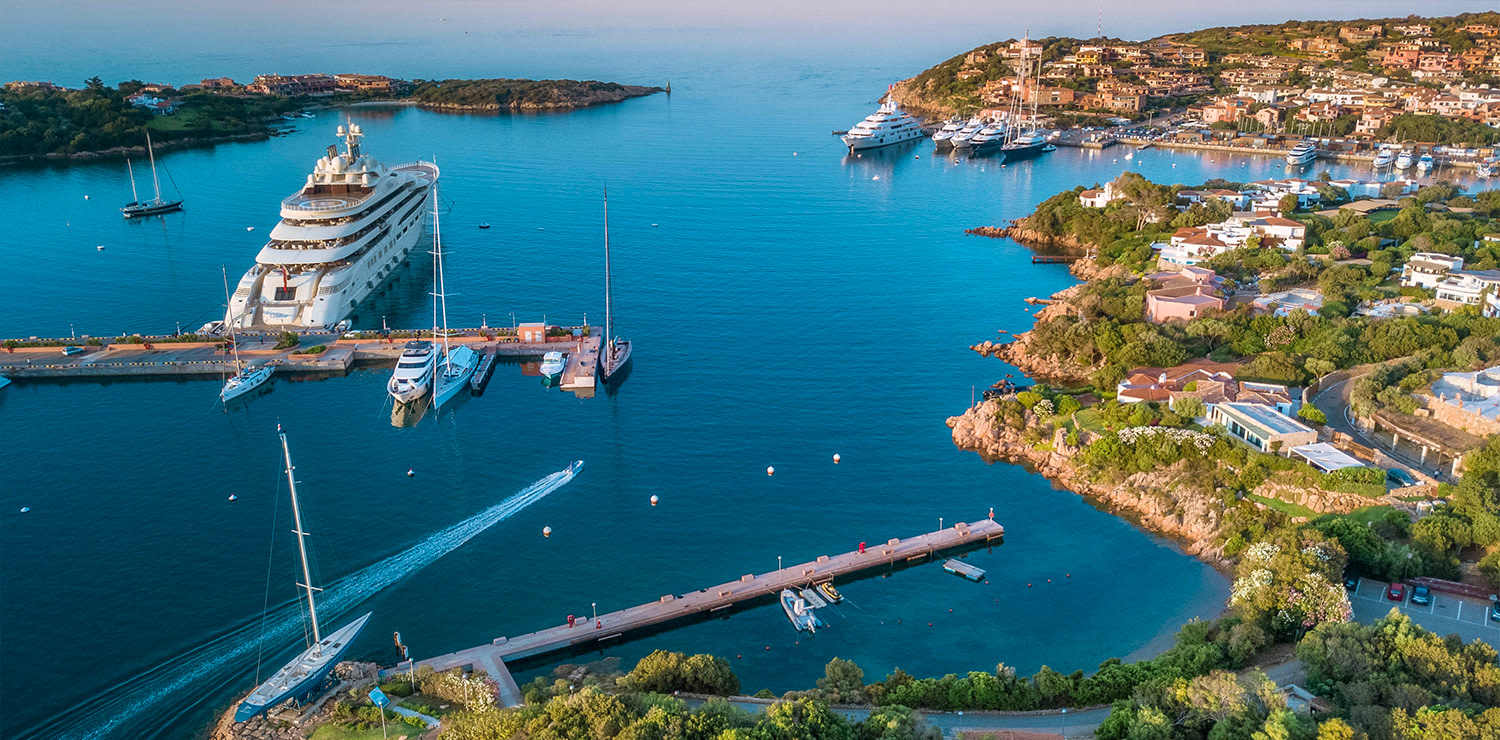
(224, 657)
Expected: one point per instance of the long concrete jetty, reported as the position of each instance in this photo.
(163, 356)
(491, 658)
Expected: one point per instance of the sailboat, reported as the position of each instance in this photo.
(137, 208)
(300, 679)
(244, 379)
(616, 351)
(458, 363)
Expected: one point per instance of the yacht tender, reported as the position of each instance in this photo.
(339, 238)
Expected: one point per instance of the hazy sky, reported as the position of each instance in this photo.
(60, 38)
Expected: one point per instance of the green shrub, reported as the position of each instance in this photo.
(1312, 413)
(287, 340)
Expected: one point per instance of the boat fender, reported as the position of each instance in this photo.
(770, 470)
(547, 531)
(836, 458)
(653, 499)
(411, 473)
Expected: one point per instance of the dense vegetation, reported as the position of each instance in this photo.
(1436, 129)
(515, 94)
(37, 121)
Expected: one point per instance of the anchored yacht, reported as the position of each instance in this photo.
(414, 370)
(887, 126)
(962, 137)
(339, 238)
(1302, 153)
(944, 136)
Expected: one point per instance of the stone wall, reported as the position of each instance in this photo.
(1458, 418)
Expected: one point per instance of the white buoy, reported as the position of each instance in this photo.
(770, 470)
(100, 248)
(410, 473)
(794, 154)
(654, 499)
(546, 531)
(25, 509)
(85, 197)
(249, 228)
(836, 458)
(877, 177)
(233, 497)
(653, 226)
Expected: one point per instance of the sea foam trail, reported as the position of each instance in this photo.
(100, 718)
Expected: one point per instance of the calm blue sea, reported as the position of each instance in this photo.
(787, 303)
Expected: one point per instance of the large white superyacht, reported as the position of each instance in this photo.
(887, 126)
(339, 238)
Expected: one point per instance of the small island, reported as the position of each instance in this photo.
(40, 120)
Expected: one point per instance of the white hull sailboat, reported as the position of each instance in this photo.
(244, 379)
(299, 679)
(616, 351)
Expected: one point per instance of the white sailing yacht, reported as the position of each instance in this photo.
(244, 379)
(616, 351)
(137, 208)
(301, 678)
(458, 363)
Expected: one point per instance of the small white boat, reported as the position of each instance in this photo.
(552, 364)
(1485, 168)
(1404, 160)
(797, 610)
(1425, 163)
(244, 379)
(1302, 154)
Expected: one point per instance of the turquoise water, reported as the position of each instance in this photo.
(787, 303)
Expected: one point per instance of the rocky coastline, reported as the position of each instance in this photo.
(1017, 231)
(571, 100)
(125, 151)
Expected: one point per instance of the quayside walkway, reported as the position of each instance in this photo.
(491, 658)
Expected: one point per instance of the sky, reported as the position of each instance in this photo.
(59, 38)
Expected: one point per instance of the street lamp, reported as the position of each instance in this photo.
(778, 562)
(1065, 723)
(595, 607)
(512, 319)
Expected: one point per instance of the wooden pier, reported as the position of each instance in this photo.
(491, 658)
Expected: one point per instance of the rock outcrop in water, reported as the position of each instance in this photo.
(299, 725)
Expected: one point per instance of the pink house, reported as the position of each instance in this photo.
(1184, 295)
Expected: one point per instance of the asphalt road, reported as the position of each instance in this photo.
(1333, 401)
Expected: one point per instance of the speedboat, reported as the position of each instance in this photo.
(414, 370)
(989, 139)
(1404, 160)
(829, 592)
(944, 136)
(1425, 163)
(1385, 158)
(886, 126)
(552, 364)
(966, 134)
(1302, 153)
(1485, 168)
(484, 225)
(798, 612)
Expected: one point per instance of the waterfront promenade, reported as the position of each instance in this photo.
(491, 658)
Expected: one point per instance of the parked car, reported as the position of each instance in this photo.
(1400, 478)
(1351, 583)
(1421, 596)
(70, 351)
(1397, 592)
(1495, 608)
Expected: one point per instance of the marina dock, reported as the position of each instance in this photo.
(491, 658)
(164, 357)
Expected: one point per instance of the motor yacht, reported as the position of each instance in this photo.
(963, 136)
(990, 139)
(349, 227)
(1425, 163)
(1383, 159)
(1404, 160)
(887, 126)
(943, 138)
(414, 371)
(552, 365)
(1302, 154)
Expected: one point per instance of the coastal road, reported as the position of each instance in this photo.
(1333, 401)
(1446, 615)
(1079, 723)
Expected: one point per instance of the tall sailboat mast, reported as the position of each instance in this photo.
(134, 196)
(608, 289)
(156, 181)
(234, 345)
(439, 285)
(306, 583)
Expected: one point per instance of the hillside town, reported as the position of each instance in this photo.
(164, 99)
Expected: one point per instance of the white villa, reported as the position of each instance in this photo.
(1468, 288)
(1427, 269)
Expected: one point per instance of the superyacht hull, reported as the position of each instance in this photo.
(1018, 152)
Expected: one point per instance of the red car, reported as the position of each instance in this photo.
(1397, 592)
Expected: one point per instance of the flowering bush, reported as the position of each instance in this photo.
(1043, 408)
(1291, 589)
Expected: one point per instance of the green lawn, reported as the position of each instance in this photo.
(1382, 216)
(1370, 514)
(1089, 419)
(1284, 507)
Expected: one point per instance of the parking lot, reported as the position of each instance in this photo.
(1447, 614)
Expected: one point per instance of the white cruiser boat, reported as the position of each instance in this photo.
(1404, 160)
(943, 138)
(339, 238)
(887, 126)
(307, 673)
(1302, 154)
(552, 364)
(1425, 163)
(414, 370)
(1485, 168)
(961, 139)
(991, 138)
(1383, 159)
